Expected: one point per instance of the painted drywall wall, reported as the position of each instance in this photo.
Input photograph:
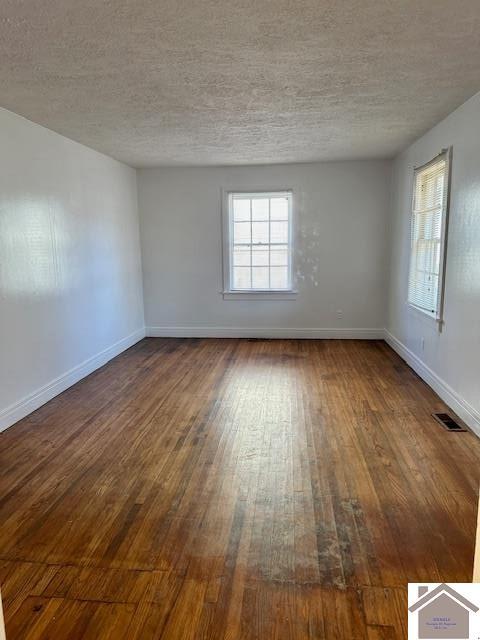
(476, 563)
(340, 225)
(449, 360)
(2, 624)
(70, 267)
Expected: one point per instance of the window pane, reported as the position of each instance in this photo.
(279, 256)
(260, 209)
(241, 256)
(260, 277)
(278, 231)
(279, 277)
(241, 277)
(259, 256)
(241, 232)
(279, 209)
(426, 247)
(260, 236)
(260, 232)
(241, 210)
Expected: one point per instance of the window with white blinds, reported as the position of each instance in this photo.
(259, 242)
(428, 236)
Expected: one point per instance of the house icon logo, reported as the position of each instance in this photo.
(442, 612)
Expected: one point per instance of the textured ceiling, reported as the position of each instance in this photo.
(165, 82)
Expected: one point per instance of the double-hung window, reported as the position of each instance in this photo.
(429, 225)
(258, 242)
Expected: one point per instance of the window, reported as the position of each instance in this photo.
(428, 236)
(259, 243)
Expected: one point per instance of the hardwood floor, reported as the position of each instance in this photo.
(233, 489)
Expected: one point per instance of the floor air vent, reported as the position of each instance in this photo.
(448, 422)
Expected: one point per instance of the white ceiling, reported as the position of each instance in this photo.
(197, 82)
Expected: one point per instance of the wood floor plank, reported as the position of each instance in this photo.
(233, 489)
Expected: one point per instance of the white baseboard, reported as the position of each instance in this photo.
(462, 408)
(264, 332)
(30, 403)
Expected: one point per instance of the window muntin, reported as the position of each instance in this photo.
(260, 245)
(428, 236)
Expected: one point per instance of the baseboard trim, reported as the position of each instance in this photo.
(462, 408)
(30, 403)
(19, 410)
(264, 332)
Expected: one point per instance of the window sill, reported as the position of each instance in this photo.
(425, 315)
(259, 295)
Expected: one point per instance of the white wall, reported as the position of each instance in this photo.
(70, 268)
(2, 624)
(476, 564)
(449, 361)
(340, 219)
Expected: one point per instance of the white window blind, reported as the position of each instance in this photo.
(260, 241)
(428, 236)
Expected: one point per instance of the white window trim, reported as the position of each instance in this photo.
(255, 294)
(438, 316)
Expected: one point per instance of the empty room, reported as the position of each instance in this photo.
(239, 319)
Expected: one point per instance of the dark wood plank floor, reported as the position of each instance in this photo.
(233, 489)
